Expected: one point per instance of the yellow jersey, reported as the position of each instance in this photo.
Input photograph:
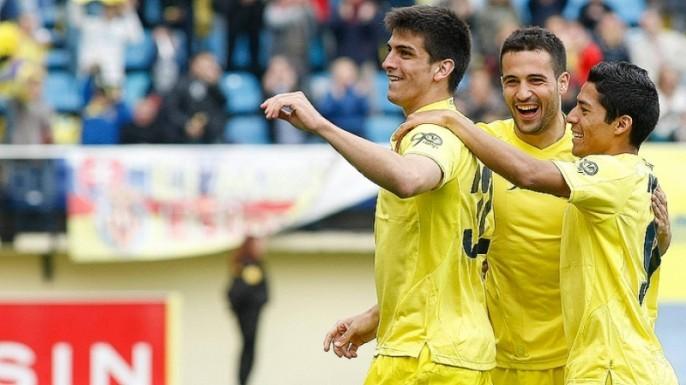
(427, 267)
(522, 283)
(608, 254)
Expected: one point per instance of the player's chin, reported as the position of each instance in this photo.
(578, 150)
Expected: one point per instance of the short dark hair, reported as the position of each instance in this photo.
(445, 35)
(534, 39)
(626, 89)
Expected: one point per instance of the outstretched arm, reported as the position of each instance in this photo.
(514, 165)
(349, 334)
(405, 176)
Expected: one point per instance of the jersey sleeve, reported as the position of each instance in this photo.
(493, 129)
(595, 184)
(437, 143)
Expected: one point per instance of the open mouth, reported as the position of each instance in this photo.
(527, 111)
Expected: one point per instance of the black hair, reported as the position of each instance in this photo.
(533, 39)
(445, 35)
(626, 89)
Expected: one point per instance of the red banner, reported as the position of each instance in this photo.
(85, 343)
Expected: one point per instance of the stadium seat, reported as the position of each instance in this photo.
(243, 92)
(61, 91)
(58, 59)
(215, 41)
(247, 130)
(48, 14)
(379, 128)
(141, 55)
(317, 53)
(241, 54)
(152, 12)
(136, 87)
(380, 102)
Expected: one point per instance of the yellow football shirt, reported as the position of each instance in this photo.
(428, 278)
(607, 257)
(522, 284)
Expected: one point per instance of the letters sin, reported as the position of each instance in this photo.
(85, 343)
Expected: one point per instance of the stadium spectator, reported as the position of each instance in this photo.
(592, 12)
(104, 116)
(610, 34)
(344, 104)
(29, 118)
(166, 69)
(675, 12)
(541, 10)
(9, 10)
(281, 77)
(10, 38)
(654, 45)
(291, 25)
(464, 9)
(357, 27)
(194, 111)
(247, 295)
(145, 125)
(480, 100)
(244, 18)
(672, 93)
(582, 54)
(432, 325)
(488, 23)
(105, 28)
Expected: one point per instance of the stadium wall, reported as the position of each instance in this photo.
(309, 291)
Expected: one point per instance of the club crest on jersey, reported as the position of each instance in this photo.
(587, 167)
(431, 139)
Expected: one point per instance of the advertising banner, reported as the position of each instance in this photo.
(128, 342)
(146, 203)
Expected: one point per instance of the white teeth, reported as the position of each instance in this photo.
(527, 108)
(574, 134)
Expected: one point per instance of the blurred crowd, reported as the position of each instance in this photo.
(195, 71)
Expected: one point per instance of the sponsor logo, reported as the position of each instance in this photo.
(587, 167)
(430, 139)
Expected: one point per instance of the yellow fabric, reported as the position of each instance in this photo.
(10, 36)
(508, 376)
(421, 371)
(522, 283)
(429, 289)
(602, 273)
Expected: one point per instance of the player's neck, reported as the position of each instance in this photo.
(547, 135)
(430, 97)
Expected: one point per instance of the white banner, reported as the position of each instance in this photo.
(146, 202)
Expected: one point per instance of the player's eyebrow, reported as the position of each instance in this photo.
(402, 48)
(583, 103)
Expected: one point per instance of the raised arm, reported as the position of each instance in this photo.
(514, 165)
(405, 176)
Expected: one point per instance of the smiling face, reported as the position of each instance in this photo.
(591, 134)
(531, 89)
(410, 72)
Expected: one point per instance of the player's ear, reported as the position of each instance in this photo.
(623, 125)
(443, 69)
(563, 82)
